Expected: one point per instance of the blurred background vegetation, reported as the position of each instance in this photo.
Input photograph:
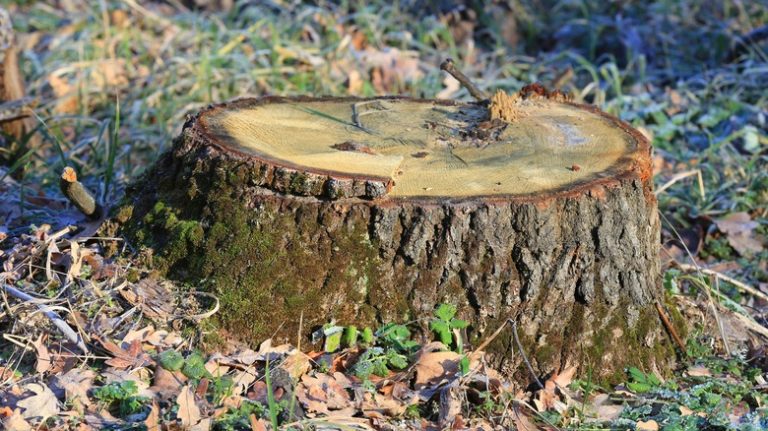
(686, 72)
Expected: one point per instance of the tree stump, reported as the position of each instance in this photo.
(376, 210)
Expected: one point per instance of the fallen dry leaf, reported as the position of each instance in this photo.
(545, 398)
(322, 393)
(66, 97)
(257, 424)
(242, 380)
(296, 364)
(41, 405)
(650, 425)
(203, 425)
(450, 404)
(76, 254)
(59, 85)
(140, 335)
(75, 385)
(16, 422)
(522, 421)
(109, 73)
(189, 412)
(434, 367)
(44, 361)
(167, 383)
(163, 338)
(152, 422)
(699, 371)
(739, 229)
(132, 357)
(379, 406)
(566, 377)
(153, 297)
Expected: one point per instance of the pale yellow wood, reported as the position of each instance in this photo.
(423, 148)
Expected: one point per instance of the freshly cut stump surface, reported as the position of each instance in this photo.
(365, 211)
(416, 148)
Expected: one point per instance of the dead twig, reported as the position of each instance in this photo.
(55, 319)
(706, 288)
(513, 325)
(449, 67)
(670, 328)
(738, 284)
(522, 353)
(495, 334)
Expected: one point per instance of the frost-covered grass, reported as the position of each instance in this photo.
(115, 79)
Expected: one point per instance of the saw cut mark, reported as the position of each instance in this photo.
(431, 149)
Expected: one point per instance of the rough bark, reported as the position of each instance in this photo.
(576, 267)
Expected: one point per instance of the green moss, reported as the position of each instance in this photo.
(298, 182)
(133, 275)
(544, 353)
(257, 261)
(124, 213)
(678, 321)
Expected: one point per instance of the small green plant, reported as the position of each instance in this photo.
(640, 382)
(397, 337)
(377, 361)
(239, 418)
(412, 412)
(444, 324)
(171, 360)
(221, 388)
(350, 336)
(194, 367)
(366, 337)
(332, 334)
(120, 398)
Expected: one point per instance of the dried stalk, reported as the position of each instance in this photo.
(739, 285)
(57, 321)
(78, 194)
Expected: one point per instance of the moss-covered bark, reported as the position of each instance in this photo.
(577, 270)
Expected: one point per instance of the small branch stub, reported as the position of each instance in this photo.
(78, 194)
(449, 67)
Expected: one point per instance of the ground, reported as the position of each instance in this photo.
(114, 80)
